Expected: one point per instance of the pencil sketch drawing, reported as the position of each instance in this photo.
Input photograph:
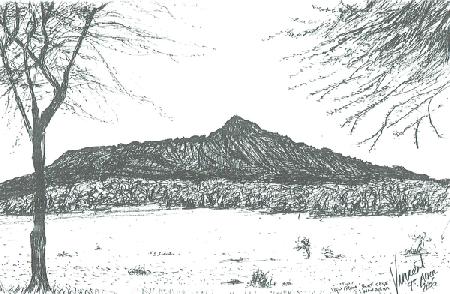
(224, 146)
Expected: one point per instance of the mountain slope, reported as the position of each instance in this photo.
(239, 151)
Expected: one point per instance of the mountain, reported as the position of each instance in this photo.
(239, 151)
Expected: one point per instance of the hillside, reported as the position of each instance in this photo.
(239, 153)
(239, 150)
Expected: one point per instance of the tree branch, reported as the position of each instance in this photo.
(34, 105)
(4, 44)
(60, 93)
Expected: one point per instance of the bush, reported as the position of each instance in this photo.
(418, 247)
(303, 244)
(261, 279)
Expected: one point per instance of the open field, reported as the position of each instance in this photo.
(202, 249)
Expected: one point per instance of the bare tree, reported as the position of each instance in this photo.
(51, 55)
(387, 59)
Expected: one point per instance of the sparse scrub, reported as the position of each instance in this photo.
(261, 279)
(54, 290)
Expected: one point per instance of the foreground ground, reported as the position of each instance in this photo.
(214, 250)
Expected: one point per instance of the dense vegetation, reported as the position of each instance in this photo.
(392, 197)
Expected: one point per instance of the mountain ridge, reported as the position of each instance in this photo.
(240, 151)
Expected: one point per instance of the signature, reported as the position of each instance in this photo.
(413, 277)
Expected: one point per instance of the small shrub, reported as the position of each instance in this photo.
(240, 259)
(261, 279)
(139, 271)
(328, 253)
(419, 245)
(233, 282)
(303, 244)
(64, 254)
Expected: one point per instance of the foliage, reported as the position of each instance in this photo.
(385, 197)
(261, 279)
(381, 57)
(303, 244)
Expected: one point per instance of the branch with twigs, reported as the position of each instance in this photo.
(54, 56)
(385, 57)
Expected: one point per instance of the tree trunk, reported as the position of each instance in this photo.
(39, 282)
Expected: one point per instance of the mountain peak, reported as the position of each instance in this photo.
(238, 125)
(236, 119)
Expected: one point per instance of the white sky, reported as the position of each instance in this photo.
(242, 76)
